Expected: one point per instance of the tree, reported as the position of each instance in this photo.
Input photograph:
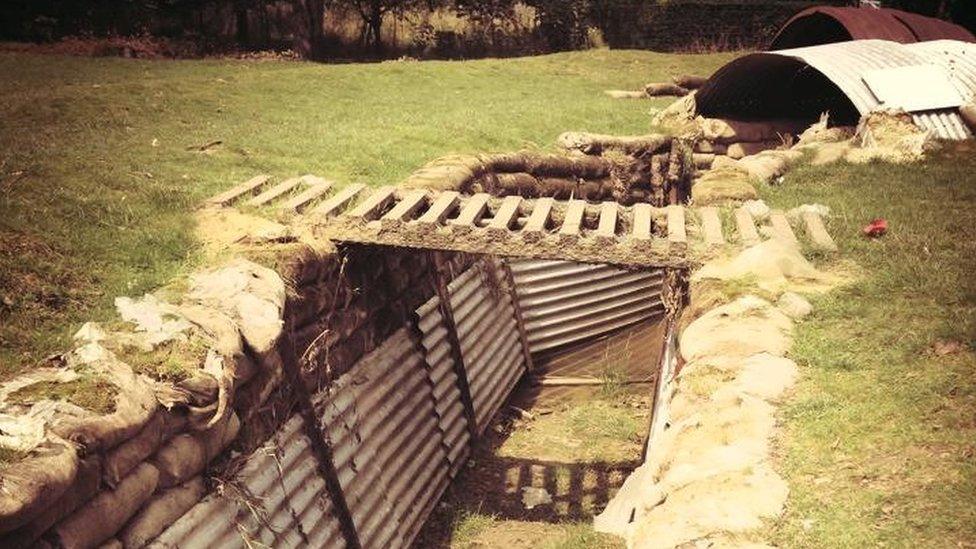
(372, 12)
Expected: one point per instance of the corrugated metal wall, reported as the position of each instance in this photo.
(487, 331)
(277, 499)
(396, 426)
(563, 302)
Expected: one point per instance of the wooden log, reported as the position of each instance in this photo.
(372, 207)
(440, 209)
(572, 220)
(471, 212)
(711, 226)
(677, 234)
(338, 201)
(818, 232)
(538, 219)
(317, 187)
(781, 227)
(748, 235)
(247, 187)
(274, 192)
(642, 221)
(404, 209)
(607, 228)
(499, 225)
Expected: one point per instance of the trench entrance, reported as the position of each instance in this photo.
(569, 435)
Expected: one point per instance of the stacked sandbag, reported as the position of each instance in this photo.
(118, 472)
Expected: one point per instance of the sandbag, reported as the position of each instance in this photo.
(161, 511)
(595, 143)
(102, 517)
(135, 404)
(122, 459)
(625, 94)
(186, 455)
(737, 151)
(112, 543)
(32, 484)
(83, 488)
(737, 131)
(968, 112)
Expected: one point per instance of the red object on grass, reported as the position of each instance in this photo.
(876, 228)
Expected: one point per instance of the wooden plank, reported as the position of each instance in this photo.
(572, 219)
(677, 234)
(317, 188)
(406, 208)
(471, 211)
(748, 235)
(440, 209)
(781, 227)
(506, 214)
(711, 226)
(607, 227)
(370, 208)
(274, 192)
(247, 187)
(818, 232)
(642, 221)
(536, 224)
(338, 201)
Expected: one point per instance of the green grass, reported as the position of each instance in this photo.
(97, 184)
(88, 392)
(879, 445)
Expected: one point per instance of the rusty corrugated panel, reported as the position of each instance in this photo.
(563, 302)
(386, 440)
(277, 499)
(485, 319)
(828, 24)
(752, 84)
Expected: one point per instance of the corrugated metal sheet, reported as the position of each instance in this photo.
(750, 83)
(444, 380)
(486, 327)
(826, 24)
(563, 302)
(387, 445)
(282, 502)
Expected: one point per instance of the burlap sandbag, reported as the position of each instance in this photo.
(595, 143)
(103, 516)
(186, 455)
(30, 485)
(736, 131)
(122, 459)
(135, 404)
(82, 489)
(968, 112)
(112, 543)
(737, 151)
(160, 511)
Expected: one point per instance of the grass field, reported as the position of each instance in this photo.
(97, 186)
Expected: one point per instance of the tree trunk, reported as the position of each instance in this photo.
(242, 33)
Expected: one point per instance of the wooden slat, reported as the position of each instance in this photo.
(677, 234)
(370, 208)
(711, 226)
(406, 208)
(536, 224)
(506, 214)
(607, 227)
(247, 187)
(318, 187)
(642, 221)
(338, 201)
(781, 227)
(748, 235)
(472, 211)
(440, 209)
(274, 192)
(818, 232)
(572, 219)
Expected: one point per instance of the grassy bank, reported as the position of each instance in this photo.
(98, 176)
(879, 444)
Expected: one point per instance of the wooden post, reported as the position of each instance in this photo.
(519, 321)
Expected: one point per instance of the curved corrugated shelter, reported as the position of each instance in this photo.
(802, 83)
(829, 24)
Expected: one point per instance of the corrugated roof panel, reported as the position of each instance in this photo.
(831, 24)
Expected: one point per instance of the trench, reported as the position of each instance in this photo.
(490, 381)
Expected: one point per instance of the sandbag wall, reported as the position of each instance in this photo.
(564, 302)
(397, 425)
